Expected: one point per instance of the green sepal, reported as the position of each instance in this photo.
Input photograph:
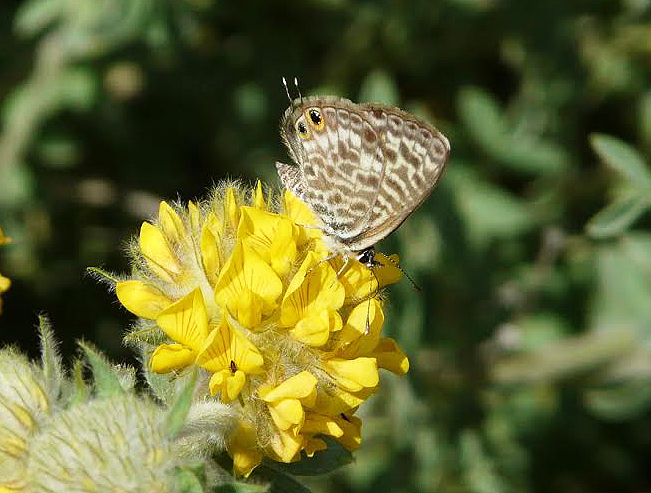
(179, 411)
(50, 358)
(80, 391)
(102, 275)
(105, 377)
(190, 480)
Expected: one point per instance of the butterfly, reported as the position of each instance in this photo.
(361, 168)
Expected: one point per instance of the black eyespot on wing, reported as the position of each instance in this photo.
(315, 116)
(302, 129)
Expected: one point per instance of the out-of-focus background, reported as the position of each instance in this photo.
(531, 345)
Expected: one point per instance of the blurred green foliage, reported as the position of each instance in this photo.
(531, 346)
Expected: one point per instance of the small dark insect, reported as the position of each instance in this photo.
(233, 367)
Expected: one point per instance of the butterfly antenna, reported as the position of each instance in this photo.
(298, 89)
(413, 283)
(287, 90)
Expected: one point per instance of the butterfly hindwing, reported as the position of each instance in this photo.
(362, 168)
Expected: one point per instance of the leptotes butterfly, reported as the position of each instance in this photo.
(362, 168)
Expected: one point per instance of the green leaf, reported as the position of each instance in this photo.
(239, 487)
(533, 156)
(107, 382)
(622, 158)
(379, 87)
(278, 482)
(490, 211)
(480, 471)
(35, 15)
(483, 118)
(622, 402)
(179, 411)
(324, 461)
(568, 357)
(622, 292)
(616, 217)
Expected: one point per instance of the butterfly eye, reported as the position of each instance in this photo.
(316, 118)
(301, 128)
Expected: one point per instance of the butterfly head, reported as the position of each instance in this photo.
(367, 258)
(302, 121)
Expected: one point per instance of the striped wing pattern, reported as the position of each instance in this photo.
(365, 171)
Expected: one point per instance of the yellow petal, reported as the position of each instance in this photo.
(286, 445)
(226, 348)
(246, 271)
(217, 381)
(168, 357)
(231, 210)
(234, 384)
(243, 448)
(216, 226)
(313, 445)
(315, 330)
(286, 413)
(5, 283)
(314, 288)
(391, 357)
(141, 299)
(170, 222)
(195, 217)
(210, 253)
(338, 400)
(157, 252)
(272, 236)
(388, 272)
(4, 239)
(353, 340)
(300, 386)
(353, 375)
(320, 424)
(258, 199)
(361, 282)
(297, 210)
(186, 320)
(249, 308)
(352, 436)
(283, 253)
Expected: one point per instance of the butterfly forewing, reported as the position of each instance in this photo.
(414, 156)
(364, 170)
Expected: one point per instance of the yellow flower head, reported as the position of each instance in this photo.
(246, 291)
(4, 281)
